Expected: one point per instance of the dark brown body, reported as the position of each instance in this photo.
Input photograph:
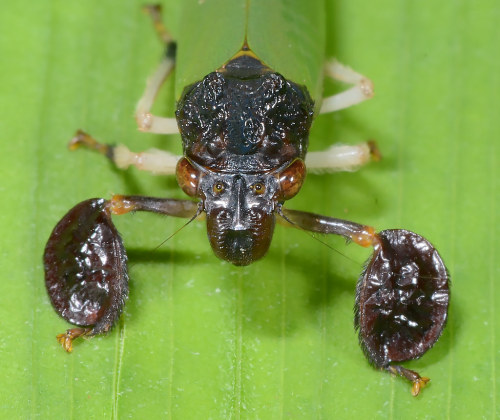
(244, 118)
(242, 127)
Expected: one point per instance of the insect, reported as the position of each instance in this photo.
(244, 120)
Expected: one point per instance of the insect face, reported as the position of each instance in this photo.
(240, 214)
(240, 207)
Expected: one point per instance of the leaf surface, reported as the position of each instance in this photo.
(203, 339)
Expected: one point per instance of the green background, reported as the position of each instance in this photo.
(200, 338)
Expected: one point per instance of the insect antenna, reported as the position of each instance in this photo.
(178, 230)
(198, 212)
(312, 235)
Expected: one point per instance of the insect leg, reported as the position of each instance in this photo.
(122, 204)
(154, 12)
(86, 270)
(145, 120)
(401, 297)
(159, 162)
(361, 91)
(85, 261)
(342, 157)
(361, 234)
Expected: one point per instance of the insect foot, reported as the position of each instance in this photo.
(401, 302)
(86, 270)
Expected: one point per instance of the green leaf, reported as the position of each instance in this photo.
(203, 339)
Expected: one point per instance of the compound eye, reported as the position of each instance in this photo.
(291, 179)
(219, 187)
(259, 188)
(188, 177)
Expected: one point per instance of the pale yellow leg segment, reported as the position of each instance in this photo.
(156, 161)
(147, 121)
(342, 157)
(361, 91)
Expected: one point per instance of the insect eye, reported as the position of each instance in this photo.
(219, 187)
(291, 179)
(259, 188)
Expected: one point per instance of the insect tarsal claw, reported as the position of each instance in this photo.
(418, 385)
(83, 139)
(66, 339)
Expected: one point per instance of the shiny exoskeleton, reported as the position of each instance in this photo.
(244, 131)
(245, 134)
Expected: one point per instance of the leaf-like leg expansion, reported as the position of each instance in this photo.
(342, 157)
(401, 297)
(360, 92)
(156, 161)
(86, 270)
(401, 302)
(85, 262)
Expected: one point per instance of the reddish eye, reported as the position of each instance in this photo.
(259, 188)
(188, 177)
(291, 179)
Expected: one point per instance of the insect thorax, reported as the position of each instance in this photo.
(244, 118)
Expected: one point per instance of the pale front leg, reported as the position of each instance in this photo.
(342, 157)
(361, 91)
(147, 121)
(156, 161)
(154, 12)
